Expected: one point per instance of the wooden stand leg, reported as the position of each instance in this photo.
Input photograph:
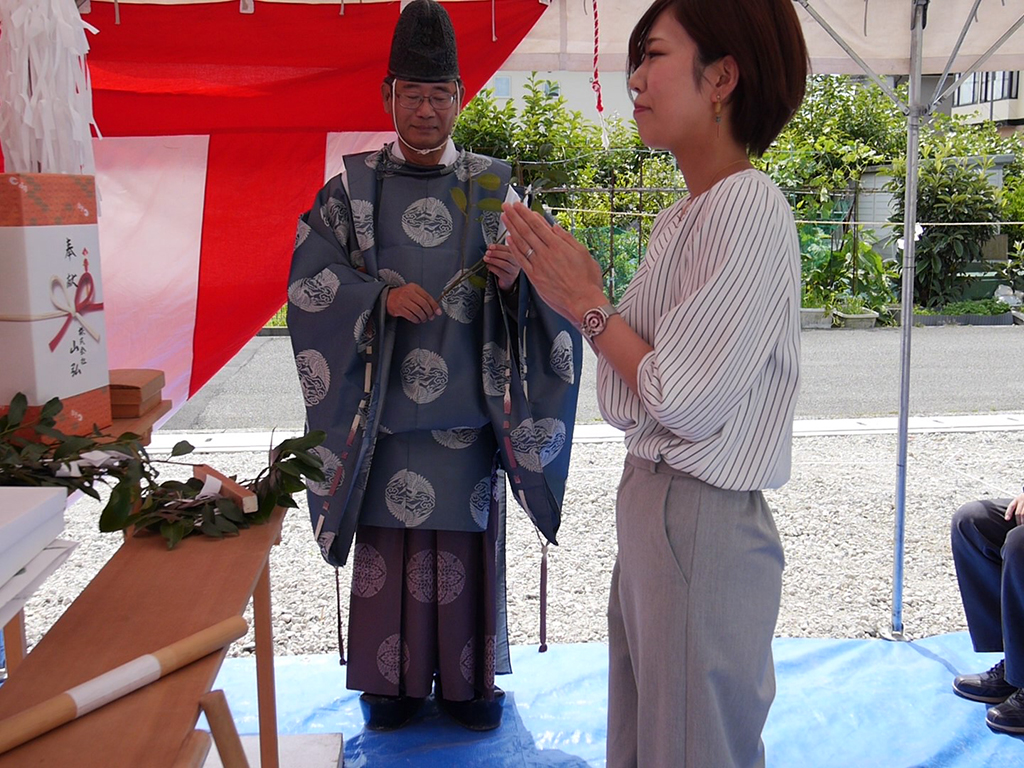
(15, 642)
(194, 750)
(222, 726)
(265, 688)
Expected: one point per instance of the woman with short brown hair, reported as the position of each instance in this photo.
(699, 366)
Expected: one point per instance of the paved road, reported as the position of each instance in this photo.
(846, 373)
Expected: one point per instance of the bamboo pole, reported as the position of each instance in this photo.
(112, 685)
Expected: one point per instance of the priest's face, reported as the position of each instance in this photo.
(424, 112)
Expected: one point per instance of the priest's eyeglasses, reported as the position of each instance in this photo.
(439, 101)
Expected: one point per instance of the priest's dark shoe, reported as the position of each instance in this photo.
(476, 714)
(1008, 716)
(989, 687)
(386, 713)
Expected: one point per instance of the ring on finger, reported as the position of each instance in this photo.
(528, 254)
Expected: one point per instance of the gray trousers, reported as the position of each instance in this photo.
(694, 600)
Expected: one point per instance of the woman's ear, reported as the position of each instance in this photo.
(726, 76)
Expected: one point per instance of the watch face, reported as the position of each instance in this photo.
(593, 323)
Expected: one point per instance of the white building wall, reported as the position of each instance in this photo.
(575, 87)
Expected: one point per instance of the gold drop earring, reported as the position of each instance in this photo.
(718, 114)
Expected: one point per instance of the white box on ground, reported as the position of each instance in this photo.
(307, 750)
(17, 591)
(30, 518)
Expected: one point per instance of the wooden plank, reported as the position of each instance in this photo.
(144, 598)
(143, 425)
(265, 688)
(242, 496)
(194, 750)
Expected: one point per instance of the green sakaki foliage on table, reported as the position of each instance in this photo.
(34, 453)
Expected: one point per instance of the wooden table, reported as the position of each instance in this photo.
(144, 598)
(14, 632)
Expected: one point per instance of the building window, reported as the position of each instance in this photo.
(502, 86)
(985, 87)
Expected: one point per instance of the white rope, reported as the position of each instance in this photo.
(821, 222)
(45, 93)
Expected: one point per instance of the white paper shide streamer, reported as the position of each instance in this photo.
(45, 94)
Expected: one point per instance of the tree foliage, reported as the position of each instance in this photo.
(844, 127)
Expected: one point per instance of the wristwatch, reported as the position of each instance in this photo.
(596, 320)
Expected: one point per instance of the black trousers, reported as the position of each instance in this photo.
(988, 553)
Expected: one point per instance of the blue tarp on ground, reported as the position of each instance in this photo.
(840, 704)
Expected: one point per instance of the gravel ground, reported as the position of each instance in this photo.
(835, 517)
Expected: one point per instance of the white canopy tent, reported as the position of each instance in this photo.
(964, 37)
(874, 37)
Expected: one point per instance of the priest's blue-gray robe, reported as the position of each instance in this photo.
(423, 420)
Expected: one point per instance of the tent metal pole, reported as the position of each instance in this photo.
(956, 50)
(981, 60)
(917, 111)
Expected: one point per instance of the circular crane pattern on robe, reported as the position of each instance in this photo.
(409, 497)
(480, 502)
(314, 376)
(460, 437)
(537, 444)
(302, 232)
(451, 577)
(467, 661)
(363, 331)
(468, 165)
(335, 215)
(424, 376)
(462, 303)
(496, 372)
(561, 357)
(362, 218)
(314, 294)
(332, 467)
(391, 277)
(421, 576)
(393, 659)
(369, 571)
(427, 222)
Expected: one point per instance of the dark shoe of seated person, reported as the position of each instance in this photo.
(388, 713)
(988, 687)
(476, 714)
(1008, 716)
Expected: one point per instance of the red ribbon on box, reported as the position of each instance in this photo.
(84, 294)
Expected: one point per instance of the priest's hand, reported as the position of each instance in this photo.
(502, 265)
(411, 302)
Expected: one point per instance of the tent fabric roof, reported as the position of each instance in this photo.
(879, 30)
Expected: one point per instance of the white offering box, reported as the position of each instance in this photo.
(30, 518)
(52, 331)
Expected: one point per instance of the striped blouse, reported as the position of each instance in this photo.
(718, 297)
